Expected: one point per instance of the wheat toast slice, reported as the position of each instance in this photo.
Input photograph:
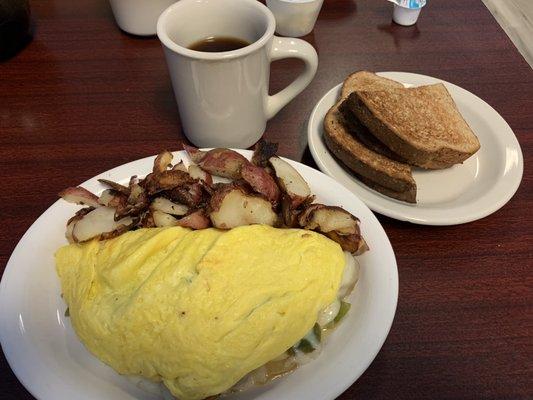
(408, 196)
(421, 124)
(365, 80)
(387, 176)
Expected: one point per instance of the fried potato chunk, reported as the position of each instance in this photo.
(232, 207)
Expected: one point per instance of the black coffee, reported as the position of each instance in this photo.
(219, 43)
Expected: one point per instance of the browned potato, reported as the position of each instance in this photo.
(112, 198)
(261, 182)
(79, 195)
(137, 194)
(162, 219)
(337, 224)
(136, 203)
(290, 181)
(180, 167)
(191, 195)
(328, 218)
(222, 162)
(146, 220)
(166, 180)
(353, 243)
(263, 150)
(162, 161)
(72, 221)
(133, 181)
(97, 222)
(289, 215)
(259, 190)
(70, 228)
(117, 232)
(232, 207)
(198, 173)
(170, 179)
(195, 154)
(165, 205)
(195, 220)
(117, 186)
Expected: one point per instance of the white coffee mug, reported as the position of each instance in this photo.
(223, 97)
(138, 17)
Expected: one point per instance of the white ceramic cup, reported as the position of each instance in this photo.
(295, 17)
(138, 17)
(223, 97)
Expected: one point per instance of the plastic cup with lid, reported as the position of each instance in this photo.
(406, 12)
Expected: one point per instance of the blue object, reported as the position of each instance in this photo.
(411, 4)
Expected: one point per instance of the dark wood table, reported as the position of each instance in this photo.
(84, 97)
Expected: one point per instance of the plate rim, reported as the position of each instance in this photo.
(10, 271)
(411, 216)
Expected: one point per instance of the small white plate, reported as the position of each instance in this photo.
(52, 364)
(463, 193)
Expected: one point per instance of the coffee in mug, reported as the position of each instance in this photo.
(219, 44)
(222, 95)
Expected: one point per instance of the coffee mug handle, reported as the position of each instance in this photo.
(291, 48)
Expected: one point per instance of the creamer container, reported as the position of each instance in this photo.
(406, 11)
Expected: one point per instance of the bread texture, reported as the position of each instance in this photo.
(421, 124)
(364, 80)
(387, 176)
(361, 133)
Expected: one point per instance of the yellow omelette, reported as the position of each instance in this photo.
(198, 310)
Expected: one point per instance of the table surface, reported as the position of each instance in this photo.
(84, 97)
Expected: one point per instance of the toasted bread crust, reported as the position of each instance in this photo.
(365, 80)
(431, 137)
(408, 196)
(385, 173)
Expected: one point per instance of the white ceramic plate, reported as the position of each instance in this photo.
(463, 193)
(52, 364)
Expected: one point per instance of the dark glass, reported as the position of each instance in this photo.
(217, 44)
(15, 30)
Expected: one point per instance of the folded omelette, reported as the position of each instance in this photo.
(198, 310)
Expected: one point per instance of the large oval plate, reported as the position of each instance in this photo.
(463, 193)
(52, 364)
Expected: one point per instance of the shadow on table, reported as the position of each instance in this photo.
(307, 159)
(400, 33)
